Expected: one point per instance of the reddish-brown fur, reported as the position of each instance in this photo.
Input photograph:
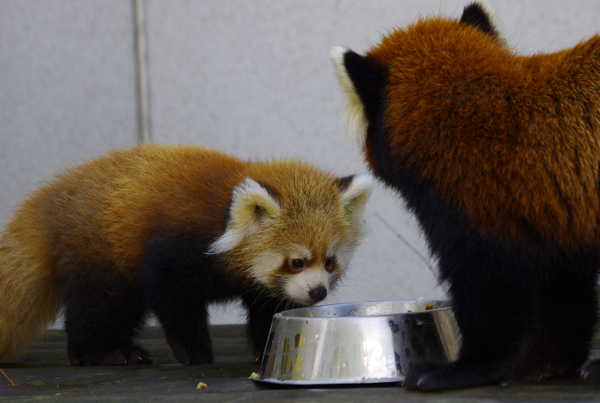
(496, 156)
(101, 213)
(94, 222)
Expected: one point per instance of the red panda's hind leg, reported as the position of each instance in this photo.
(103, 314)
(522, 315)
(591, 372)
(564, 318)
(493, 318)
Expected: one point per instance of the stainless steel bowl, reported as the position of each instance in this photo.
(366, 342)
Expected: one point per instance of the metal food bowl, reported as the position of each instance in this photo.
(366, 342)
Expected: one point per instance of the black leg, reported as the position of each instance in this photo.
(492, 296)
(565, 315)
(492, 318)
(186, 329)
(103, 313)
(177, 283)
(521, 316)
(261, 309)
(591, 372)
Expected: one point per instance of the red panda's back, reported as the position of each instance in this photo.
(508, 140)
(100, 214)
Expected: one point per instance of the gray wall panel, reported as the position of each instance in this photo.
(66, 87)
(252, 78)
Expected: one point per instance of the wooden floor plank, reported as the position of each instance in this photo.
(42, 373)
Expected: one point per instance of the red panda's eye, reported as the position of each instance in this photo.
(329, 264)
(297, 263)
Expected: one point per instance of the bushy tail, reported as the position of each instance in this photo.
(30, 295)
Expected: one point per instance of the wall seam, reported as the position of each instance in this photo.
(142, 92)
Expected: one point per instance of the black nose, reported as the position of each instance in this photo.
(318, 294)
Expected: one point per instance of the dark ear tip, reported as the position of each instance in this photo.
(351, 57)
(344, 183)
(478, 15)
(361, 67)
(475, 7)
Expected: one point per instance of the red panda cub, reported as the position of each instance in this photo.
(170, 230)
(498, 156)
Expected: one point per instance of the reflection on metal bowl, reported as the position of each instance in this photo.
(366, 342)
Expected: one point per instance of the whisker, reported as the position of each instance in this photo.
(408, 244)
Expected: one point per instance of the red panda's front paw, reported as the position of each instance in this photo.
(591, 372)
(436, 377)
(429, 378)
(132, 355)
(199, 356)
(138, 356)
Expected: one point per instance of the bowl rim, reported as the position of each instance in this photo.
(284, 315)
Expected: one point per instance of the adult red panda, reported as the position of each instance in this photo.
(498, 157)
(168, 230)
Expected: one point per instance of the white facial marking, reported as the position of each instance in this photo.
(264, 265)
(297, 286)
(300, 252)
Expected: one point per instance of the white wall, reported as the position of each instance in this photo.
(249, 77)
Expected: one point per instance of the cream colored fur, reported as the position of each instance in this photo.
(354, 116)
(298, 286)
(243, 221)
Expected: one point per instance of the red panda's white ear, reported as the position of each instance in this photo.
(252, 206)
(354, 116)
(354, 197)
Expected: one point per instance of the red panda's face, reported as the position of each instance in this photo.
(301, 275)
(294, 232)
